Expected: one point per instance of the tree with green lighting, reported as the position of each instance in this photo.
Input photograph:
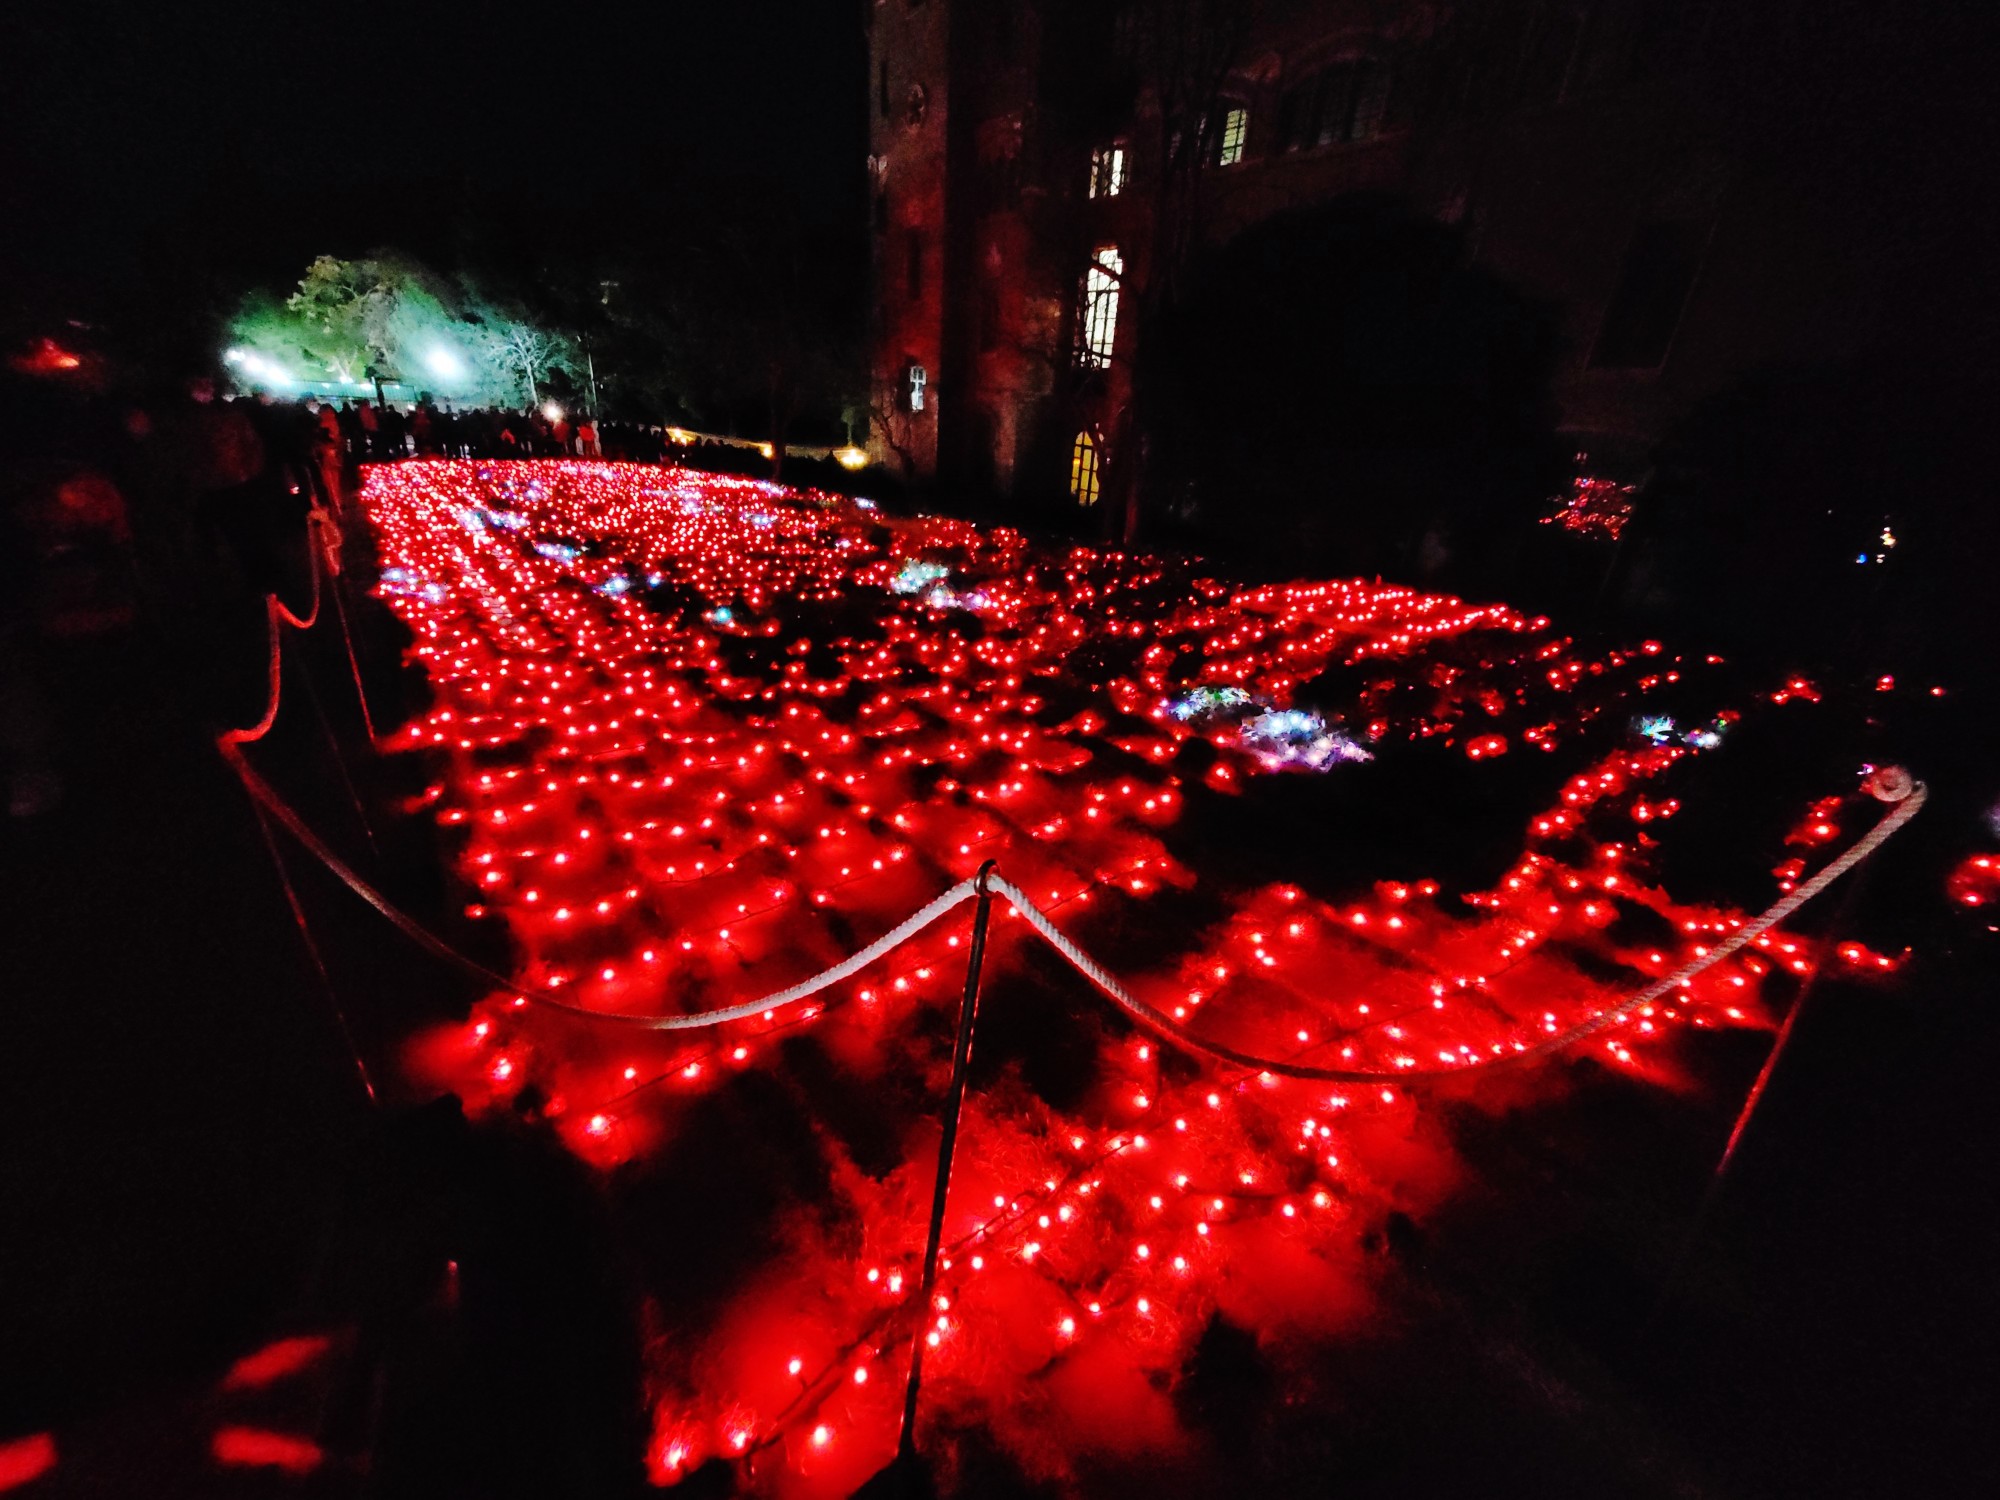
(387, 317)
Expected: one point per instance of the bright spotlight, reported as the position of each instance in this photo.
(444, 364)
(553, 412)
(851, 457)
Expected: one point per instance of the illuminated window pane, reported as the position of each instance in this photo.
(1083, 470)
(1107, 171)
(1097, 318)
(1235, 126)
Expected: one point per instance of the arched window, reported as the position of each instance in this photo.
(1097, 309)
(1216, 138)
(1342, 102)
(1083, 469)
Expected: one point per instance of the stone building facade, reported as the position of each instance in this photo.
(1037, 166)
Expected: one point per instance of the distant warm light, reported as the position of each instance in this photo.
(1083, 470)
(851, 457)
(47, 357)
(553, 412)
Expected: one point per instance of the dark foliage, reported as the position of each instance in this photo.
(1764, 524)
(1342, 391)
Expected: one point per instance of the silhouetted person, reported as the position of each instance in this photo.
(393, 431)
(549, 1318)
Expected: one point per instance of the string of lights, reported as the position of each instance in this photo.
(692, 734)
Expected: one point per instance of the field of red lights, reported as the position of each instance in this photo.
(697, 738)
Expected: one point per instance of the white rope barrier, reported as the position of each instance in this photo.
(322, 535)
(1906, 797)
(853, 964)
(264, 796)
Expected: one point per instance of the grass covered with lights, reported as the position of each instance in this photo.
(699, 738)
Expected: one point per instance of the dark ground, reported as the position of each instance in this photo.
(191, 1170)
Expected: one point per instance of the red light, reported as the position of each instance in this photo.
(24, 1460)
(673, 811)
(255, 1447)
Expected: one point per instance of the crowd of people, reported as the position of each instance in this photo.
(163, 516)
(370, 431)
(365, 431)
(140, 531)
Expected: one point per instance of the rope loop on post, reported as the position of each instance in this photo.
(322, 537)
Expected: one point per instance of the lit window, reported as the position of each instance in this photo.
(1083, 470)
(1097, 319)
(1229, 142)
(1107, 171)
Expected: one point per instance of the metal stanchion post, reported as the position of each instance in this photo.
(313, 953)
(954, 1100)
(1826, 945)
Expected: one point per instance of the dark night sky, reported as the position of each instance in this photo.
(154, 148)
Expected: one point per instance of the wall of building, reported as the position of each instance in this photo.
(908, 139)
(1594, 122)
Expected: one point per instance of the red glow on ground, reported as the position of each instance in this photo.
(1975, 881)
(260, 1448)
(276, 1361)
(24, 1460)
(702, 737)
